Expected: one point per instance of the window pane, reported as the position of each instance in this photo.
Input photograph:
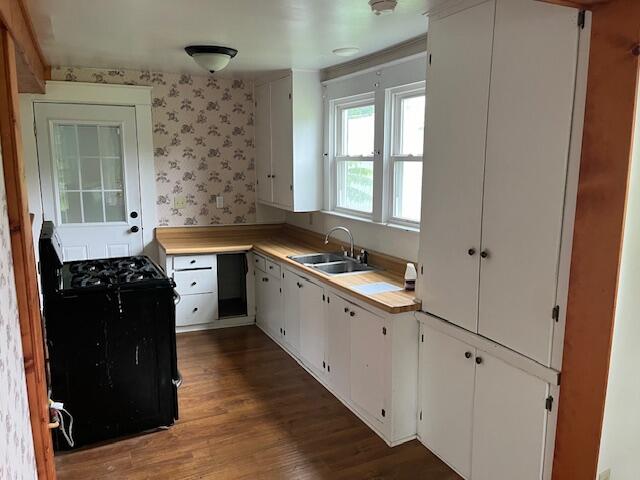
(90, 170)
(411, 126)
(407, 190)
(68, 178)
(355, 185)
(114, 206)
(65, 140)
(110, 141)
(112, 173)
(88, 140)
(70, 209)
(92, 203)
(358, 127)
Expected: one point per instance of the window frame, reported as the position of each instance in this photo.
(337, 106)
(394, 98)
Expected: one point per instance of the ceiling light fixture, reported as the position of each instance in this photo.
(346, 51)
(383, 7)
(211, 57)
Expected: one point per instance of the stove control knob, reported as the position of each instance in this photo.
(135, 229)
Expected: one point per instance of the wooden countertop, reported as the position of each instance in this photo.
(281, 241)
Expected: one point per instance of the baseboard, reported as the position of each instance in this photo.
(222, 323)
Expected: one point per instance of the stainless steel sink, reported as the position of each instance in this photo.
(314, 258)
(337, 268)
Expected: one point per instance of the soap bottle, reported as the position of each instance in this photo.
(410, 276)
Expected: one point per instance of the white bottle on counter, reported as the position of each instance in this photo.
(410, 276)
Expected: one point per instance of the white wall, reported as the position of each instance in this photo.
(620, 442)
(374, 236)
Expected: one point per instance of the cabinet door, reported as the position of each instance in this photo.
(282, 142)
(274, 305)
(509, 419)
(447, 370)
(262, 297)
(458, 79)
(312, 327)
(530, 112)
(291, 290)
(367, 361)
(263, 143)
(338, 345)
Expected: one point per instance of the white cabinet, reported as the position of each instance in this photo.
(289, 141)
(338, 348)
(447, 371)
(368, 335)
(485, 417)
(499, 116)
(291, 285)
(269, 302)
(312, 324)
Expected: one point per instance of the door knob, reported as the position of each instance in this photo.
(471, 251)
(135, 229)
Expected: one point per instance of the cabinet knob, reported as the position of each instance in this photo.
(467, 354)
(484, 254)
(471, 251)
(193, 261)
(478, 360)
(195, 310)
(193, 284)
(346, 310)
(352, 314)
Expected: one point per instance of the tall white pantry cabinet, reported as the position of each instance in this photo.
(505, 99)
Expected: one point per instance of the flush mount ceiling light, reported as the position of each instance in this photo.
(382, 7)
(211, 57)
(346, 51)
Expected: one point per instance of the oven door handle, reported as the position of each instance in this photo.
(178, 381)
(176, 297)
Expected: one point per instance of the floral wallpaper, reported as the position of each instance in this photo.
(203, 135)
(16, 443)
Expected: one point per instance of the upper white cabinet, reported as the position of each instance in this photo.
(289, 141)
(499, 116)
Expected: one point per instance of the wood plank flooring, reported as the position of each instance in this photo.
(249, 411)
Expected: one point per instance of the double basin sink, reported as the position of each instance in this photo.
(332, 263)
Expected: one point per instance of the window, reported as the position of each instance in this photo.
(407, 138)
(354, 147)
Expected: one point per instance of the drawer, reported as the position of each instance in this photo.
(197, 309)
(195, 281)
(259, 262)
(273, 268)
(185, 262)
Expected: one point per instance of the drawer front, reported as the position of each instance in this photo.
(259, 262)
(273, 268)
(195, 281)
(185, 262)
(197, 309)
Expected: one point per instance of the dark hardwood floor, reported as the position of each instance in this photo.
(249, 411)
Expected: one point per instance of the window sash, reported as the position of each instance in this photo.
(340, 106)
(393, 218)
(337, 184)
(397, 127)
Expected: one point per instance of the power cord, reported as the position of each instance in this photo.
(58, 407)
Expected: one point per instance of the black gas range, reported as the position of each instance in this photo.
(110, 332)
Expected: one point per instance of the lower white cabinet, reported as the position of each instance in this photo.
(196, 309)
(269, 302)
(486, 418)
(291, 286)
(312, 323)
(338, 349)
(368, 336)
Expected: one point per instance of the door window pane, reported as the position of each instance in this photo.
(407, 190)
(411, 126)
(355, 185)
(88, 162)
(358, 125)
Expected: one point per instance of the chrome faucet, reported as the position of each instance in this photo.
(344, 229)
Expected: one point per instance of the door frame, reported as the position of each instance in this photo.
(138, 97)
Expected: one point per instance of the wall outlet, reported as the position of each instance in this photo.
(179, 202)
(219, 201)
(606, 475)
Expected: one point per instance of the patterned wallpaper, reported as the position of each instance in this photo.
(16, 443)
(203, 135)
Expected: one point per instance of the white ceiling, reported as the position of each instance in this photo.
(269, 34)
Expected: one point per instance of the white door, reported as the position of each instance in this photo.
(509, 419)
(529, 128)
(88, 159)
(367, 361)
(447, 372)
(263, 143)
(312, 328)
(282, 142)
(273, 304)
(457, 96)
(338, 344)
(291, 289)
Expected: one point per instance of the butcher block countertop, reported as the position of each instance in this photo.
(279, 241)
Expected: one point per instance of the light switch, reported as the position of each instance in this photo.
(179, 202)
(219, 201)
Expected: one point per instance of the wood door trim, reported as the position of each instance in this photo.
(24, 264)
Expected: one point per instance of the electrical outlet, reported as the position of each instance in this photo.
(219, 201)
(606, 475)
(179, 202)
